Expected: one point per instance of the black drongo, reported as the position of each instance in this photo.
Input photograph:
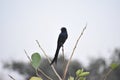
(61, 40)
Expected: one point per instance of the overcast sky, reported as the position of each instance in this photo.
(24, 21)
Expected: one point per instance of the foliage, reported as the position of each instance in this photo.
(35, 78)
(114, 65)
(80, 75)
(35, 60)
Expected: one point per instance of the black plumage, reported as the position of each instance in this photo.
(61, 40)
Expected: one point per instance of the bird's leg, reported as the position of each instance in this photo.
(63, 64)
(63, 51)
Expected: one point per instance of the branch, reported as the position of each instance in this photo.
(49, 61)
(28, 56)
(105, 78)
(73, 52)
(44, 74)
(11, 77)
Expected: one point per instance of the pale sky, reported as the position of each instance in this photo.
(24, 21)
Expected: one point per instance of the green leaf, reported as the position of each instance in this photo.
(35, 78)
(35, 60)
(71, 78)
(83, 74)
(78, 72)
(114, 65)
(82, 78)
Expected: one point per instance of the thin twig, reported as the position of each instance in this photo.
(27, 56)
(11, 77)
(73, 52)
(49, 61)
(63, 54)
(45, 74)
(105, 78)
(63, 58)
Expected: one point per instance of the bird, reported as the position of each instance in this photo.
(61, 40)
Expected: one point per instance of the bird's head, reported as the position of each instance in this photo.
(63, 29)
